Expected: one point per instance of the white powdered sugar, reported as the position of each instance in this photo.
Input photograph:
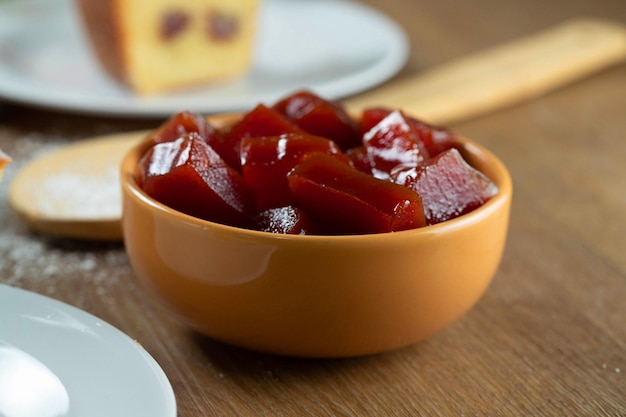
(75, 196)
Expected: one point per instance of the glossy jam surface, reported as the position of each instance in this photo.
(302, 166)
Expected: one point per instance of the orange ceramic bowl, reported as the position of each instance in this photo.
(315, 296)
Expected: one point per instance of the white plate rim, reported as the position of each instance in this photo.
(123, 104)
(30, 311)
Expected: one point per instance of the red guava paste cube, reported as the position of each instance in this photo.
(261, 121)
(265, 162)
(342, 200)
(320, 117)
(189, 176)
(285, 220)
(371, 117)
(391, 142)
(181, 123)
(436, 139)
(448, 185)
(359, 159)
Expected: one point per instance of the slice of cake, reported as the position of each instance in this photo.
(156, 46)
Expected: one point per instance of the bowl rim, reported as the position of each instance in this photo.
(501, 178)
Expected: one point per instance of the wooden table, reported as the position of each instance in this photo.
(547, 339)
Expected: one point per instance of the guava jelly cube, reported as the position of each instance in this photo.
(391, 142)
(265, 162)
(285, 220)
(260, 121)
(189, 176)
(347, 201)
(448, 185)
(320, 117)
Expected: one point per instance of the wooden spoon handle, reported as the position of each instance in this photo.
(504, 75)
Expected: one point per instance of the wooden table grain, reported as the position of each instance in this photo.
(547, 339)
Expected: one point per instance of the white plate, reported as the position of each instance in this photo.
(333, 47)
(64, 357)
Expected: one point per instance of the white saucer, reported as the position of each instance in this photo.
(334, 47)
(88, 364)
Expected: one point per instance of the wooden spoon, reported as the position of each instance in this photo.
(74, 192)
